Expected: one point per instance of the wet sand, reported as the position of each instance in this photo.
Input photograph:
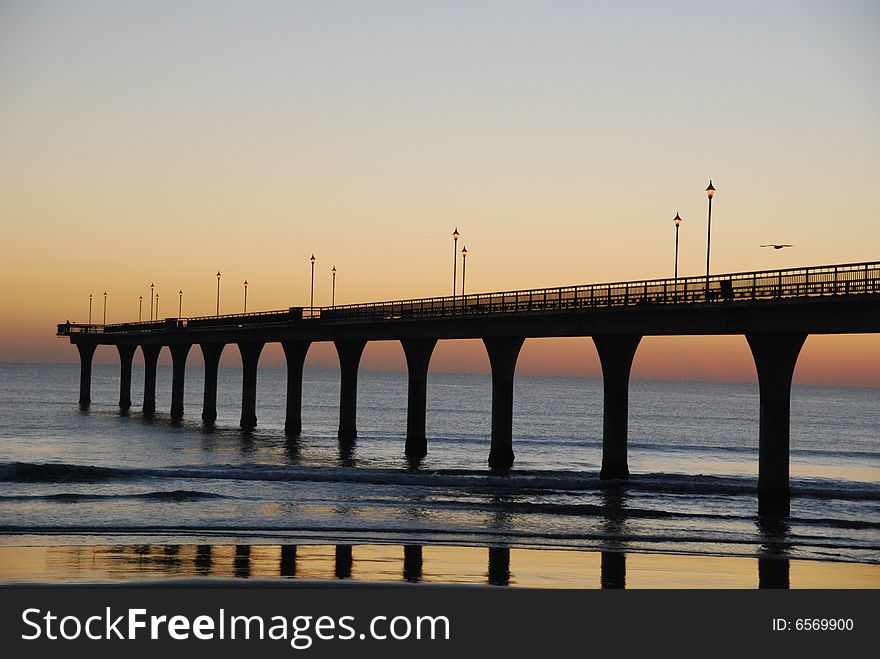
(439, 564)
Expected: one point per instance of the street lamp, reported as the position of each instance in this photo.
(312, 294)
(710, 192)
(157, 306)
(105, 308)
(455, 235)
(140, 307)
(463, 268)
(333, 294)
(218, 292)
(90, 308)
(677, 221)
(179, 303)
(152, 286)
(245, 296)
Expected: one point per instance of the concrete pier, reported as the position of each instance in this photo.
(616, 353)
(418, 356)
(349, 352)
(503, 352)
(179, 352)
(86, 353)
(126, 354)
(211, 354)
(775, 357)
(250, 357)
(295, 354)
(151, 359)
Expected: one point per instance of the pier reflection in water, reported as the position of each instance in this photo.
(495, 566)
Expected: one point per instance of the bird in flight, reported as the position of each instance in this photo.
(777, 246)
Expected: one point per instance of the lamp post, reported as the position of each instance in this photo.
(179, 303)
(152, 287)
(455, 235)
(677, 221)
(312, 294)
(157, 306)
(140, 307)
(333, 288)
(245, 296)
(463, 268)
(710, 192)
(105, 308)
(90, 308)
(218, 293)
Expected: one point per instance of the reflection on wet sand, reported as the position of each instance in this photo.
(496, 566)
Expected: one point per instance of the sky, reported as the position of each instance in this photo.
(159, 142)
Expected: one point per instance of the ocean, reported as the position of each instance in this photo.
(114, 490)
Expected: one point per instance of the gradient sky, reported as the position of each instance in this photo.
(161, 141)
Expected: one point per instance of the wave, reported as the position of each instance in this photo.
(521, 482)
(174, 496)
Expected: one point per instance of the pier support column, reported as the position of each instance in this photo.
(418, 355)
(775, 357)
(86, 352)
(179, 352)
(151, 358)
(126, 354)
(250, 357)
(295, 354)
(503, 352)
(211, 354)
(349, 352)
(616, 353)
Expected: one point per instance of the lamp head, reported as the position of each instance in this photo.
(312, 259)
(464, 252)
(218, 274)
(455, 234)
(710, 191)
(677, 220)
(333, 270)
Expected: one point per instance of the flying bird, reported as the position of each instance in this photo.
(777, 246)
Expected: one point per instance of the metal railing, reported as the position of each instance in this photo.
(792, 283)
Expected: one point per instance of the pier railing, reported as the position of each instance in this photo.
(791, 283)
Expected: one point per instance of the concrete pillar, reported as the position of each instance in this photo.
(151, 358)
(250, 357)
(412, 563)
(179, 351)
(503, 352)
(418, 355)
(211, 354)
(349, 352)
(295, 354)
(616, 353)
(126, 354)
(86, 352)
(775, 357)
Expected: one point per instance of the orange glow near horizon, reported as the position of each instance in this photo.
(847, 360)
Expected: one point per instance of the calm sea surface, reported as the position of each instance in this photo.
(100, 479)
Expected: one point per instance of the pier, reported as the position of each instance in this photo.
(774, 310)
